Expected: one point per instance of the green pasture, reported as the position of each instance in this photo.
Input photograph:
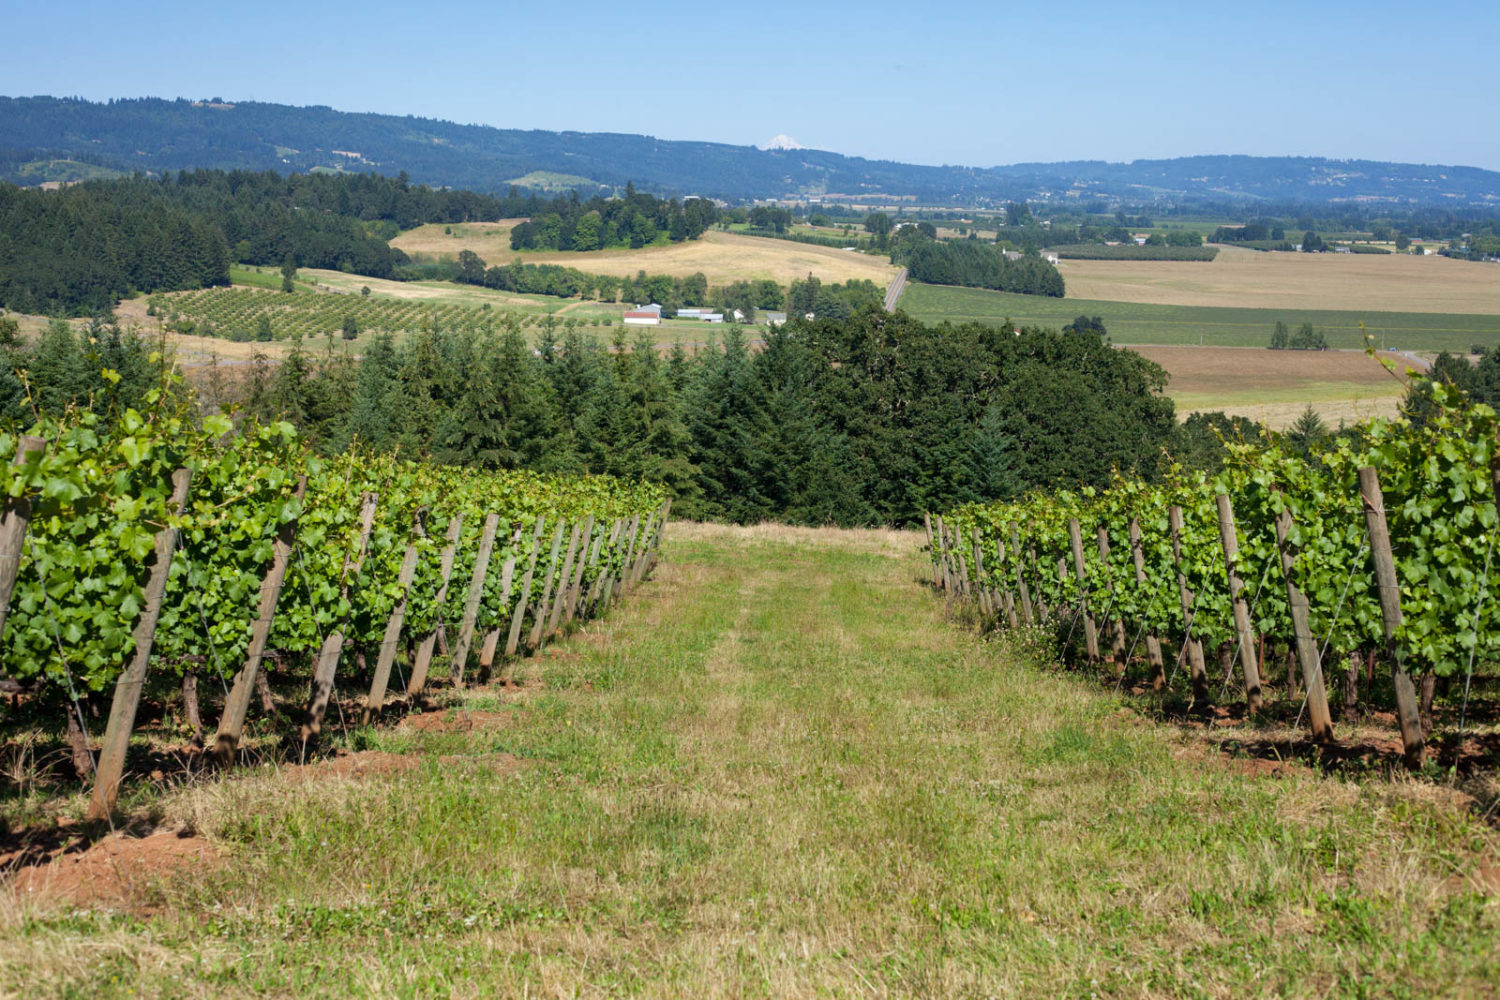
(1144, 323)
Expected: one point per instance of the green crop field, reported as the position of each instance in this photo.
(1146, 323)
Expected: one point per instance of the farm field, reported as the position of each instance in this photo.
(1274, 387)
(1246, 279)
(722, 257)
(779, 771)
(1218, 326)
(323, 298)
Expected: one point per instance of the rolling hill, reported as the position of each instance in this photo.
(64, 139)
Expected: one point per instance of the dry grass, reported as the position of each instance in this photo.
(721, 257)
(1274, 387)
(1248, 279)
(491, 240)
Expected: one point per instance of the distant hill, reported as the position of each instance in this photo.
(59, 139)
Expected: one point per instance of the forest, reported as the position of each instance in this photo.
(866, 420)
(78, 250)
(633, 220)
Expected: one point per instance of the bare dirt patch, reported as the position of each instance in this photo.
(116, 871)
(1274, 387)
(457, 721)
(1248, 279)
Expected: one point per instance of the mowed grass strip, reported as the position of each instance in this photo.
(778, 771)
(1150, 323)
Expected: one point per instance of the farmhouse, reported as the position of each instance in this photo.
(644, 315)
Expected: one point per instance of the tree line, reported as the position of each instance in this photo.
(973, 264)
(634, 220)
(865, 420)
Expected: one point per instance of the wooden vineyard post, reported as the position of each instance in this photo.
(376, 698)
(1090, 631)
(1153, 644)
(661, 528)
(643, 550)
(1408, 713)
(986, 606)
(622, 583)
(586, 599)
(514, 638)
(1028, 611)
(333, 644)
(507, 577)
(564, 582)
(1117, 625)
(1318, 716)
(945, 568)
(1246, 640)
(423, 659)
(237, 704)
(128, 688)
(1012, 607)
(539, 616)
(614, 590)
(1192, 648)
(937, 575)
(586, 557)
(458, 660)
(599, 593)
(13, 530)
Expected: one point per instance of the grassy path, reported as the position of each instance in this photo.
(778, 772)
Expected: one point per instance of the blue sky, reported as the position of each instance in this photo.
(976, 84)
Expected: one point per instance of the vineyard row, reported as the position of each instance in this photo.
(1381, 548)
(149, 544)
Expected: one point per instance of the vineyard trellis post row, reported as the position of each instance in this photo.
(237, 704)
(564, 581)
(539, 612)
(1192, 648)
(423, 660)
(333, 643)
(507, 577)
(13, 528)
(1153, 642)
(1090, 629)
(388, 643)
(586, 559)
(986, 604)
(1246, 635)
(127, 697)
(513, 639)
(459, 657)
(1389, 587)
(1311, 660)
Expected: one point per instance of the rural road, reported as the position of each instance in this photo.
(893, 294)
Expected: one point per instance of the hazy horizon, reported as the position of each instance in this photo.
(984, 87)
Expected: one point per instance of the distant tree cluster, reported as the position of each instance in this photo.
(635, 220)
(974, 264)
(1305, 339)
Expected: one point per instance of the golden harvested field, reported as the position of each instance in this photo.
(1247, 279)
(722, 257)
(1274, 387)
(490, 240)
